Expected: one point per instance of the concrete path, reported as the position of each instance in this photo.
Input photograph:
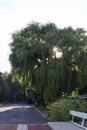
(63, 126)
(20, 114)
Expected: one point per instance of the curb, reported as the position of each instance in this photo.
(42, 114)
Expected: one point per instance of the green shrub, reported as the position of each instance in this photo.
(83, 106)
(60, 110)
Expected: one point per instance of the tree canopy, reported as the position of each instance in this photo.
(48, 60)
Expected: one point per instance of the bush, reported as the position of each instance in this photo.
(83, 106)
(60, 110)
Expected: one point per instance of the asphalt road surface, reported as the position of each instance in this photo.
(20, 114)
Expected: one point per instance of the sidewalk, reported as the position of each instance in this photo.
(63, 126)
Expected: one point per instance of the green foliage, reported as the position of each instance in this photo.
(10, 91)
(75, 93)
(60, 110)
(36, 65)
(82, 106)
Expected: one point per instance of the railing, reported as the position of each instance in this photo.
(80, 115)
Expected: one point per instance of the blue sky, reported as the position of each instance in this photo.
(15, 14)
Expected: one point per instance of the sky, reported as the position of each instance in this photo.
(16, 14)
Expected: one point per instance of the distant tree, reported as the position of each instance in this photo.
(10, 91)
(15, 89)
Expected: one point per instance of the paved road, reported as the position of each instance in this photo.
(20, 114)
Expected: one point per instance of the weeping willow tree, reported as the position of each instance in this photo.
(74, 47)
(43, 70)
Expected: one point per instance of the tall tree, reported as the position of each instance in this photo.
(42, 69)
